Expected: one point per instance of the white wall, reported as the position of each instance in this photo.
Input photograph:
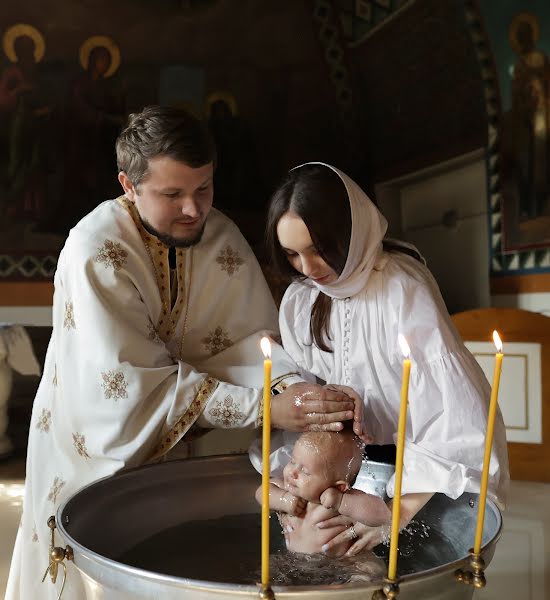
(534, 301)
(443, 211)
(26, 315)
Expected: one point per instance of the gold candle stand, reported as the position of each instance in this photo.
(476, 576)
(57, 556)
(389, 591)
(266, 593)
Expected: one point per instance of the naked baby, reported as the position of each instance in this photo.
(316, 486)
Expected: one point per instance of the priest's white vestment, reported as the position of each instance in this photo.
(140, 353)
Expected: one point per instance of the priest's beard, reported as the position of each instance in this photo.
(170, 241)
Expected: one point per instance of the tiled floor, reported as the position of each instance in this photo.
(521, 566)
(520, 569)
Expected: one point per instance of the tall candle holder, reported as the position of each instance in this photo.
(391, 587)
(476, 576)
(266, 593)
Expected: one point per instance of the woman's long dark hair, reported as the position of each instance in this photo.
(319, 197)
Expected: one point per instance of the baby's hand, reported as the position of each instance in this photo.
(331, 498)
(294, 505)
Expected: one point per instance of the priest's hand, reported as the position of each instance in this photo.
(311, 407)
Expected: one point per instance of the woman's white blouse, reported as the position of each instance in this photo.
(448, 392)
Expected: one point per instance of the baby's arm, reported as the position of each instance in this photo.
(357, 505)
(281, 500)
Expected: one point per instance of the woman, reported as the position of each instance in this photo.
(352, 294)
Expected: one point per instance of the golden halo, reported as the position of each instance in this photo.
(105, 42)
(227, 97)
(524, 17)
(20, 30)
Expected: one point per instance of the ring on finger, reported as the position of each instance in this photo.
(353, 533)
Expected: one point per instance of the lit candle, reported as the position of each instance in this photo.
(402, 426)
(266, 433)
(488, 444)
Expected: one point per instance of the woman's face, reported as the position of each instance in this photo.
(300, 250)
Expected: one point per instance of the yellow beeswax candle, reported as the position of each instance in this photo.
(488, 444)
(401, 429)
(266, 442)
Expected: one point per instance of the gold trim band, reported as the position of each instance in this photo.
(279, 382)
(207, 388)
(279, 385)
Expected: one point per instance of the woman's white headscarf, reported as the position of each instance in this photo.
(368, 228)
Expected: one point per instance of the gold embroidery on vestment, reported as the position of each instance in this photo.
(79, 442)
(158, 254)
(227, 413)
(58, 483)
(153, 334)
(229, 260)
(111, 254)
(205, 391)
(114, 385)
(279, 384)
(217, 340)
(68, 322)
(44, 420)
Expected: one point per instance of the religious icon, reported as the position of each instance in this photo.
(99, 52)
(24, 46)
(236, 178)
(520, 45)
(95, 113)
(24, 121)
(530, 116)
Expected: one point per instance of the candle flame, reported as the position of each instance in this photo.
(497, 341)
(404, 346)
(266, 347)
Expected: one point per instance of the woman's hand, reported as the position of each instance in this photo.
(310, 407)
(358, 410)
(366, 538)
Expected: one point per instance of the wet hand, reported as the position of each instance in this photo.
(331, 498)
(363, 537)
(294, 505)
(358, 410)
(310, 407)
(338, 549)
(337, 521)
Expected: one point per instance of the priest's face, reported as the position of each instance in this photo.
(300, 250)
(173, 200)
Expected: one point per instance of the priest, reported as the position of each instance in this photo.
(158, 311)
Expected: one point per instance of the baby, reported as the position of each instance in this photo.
(316, 486)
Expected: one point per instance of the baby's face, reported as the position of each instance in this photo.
(307, 475)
